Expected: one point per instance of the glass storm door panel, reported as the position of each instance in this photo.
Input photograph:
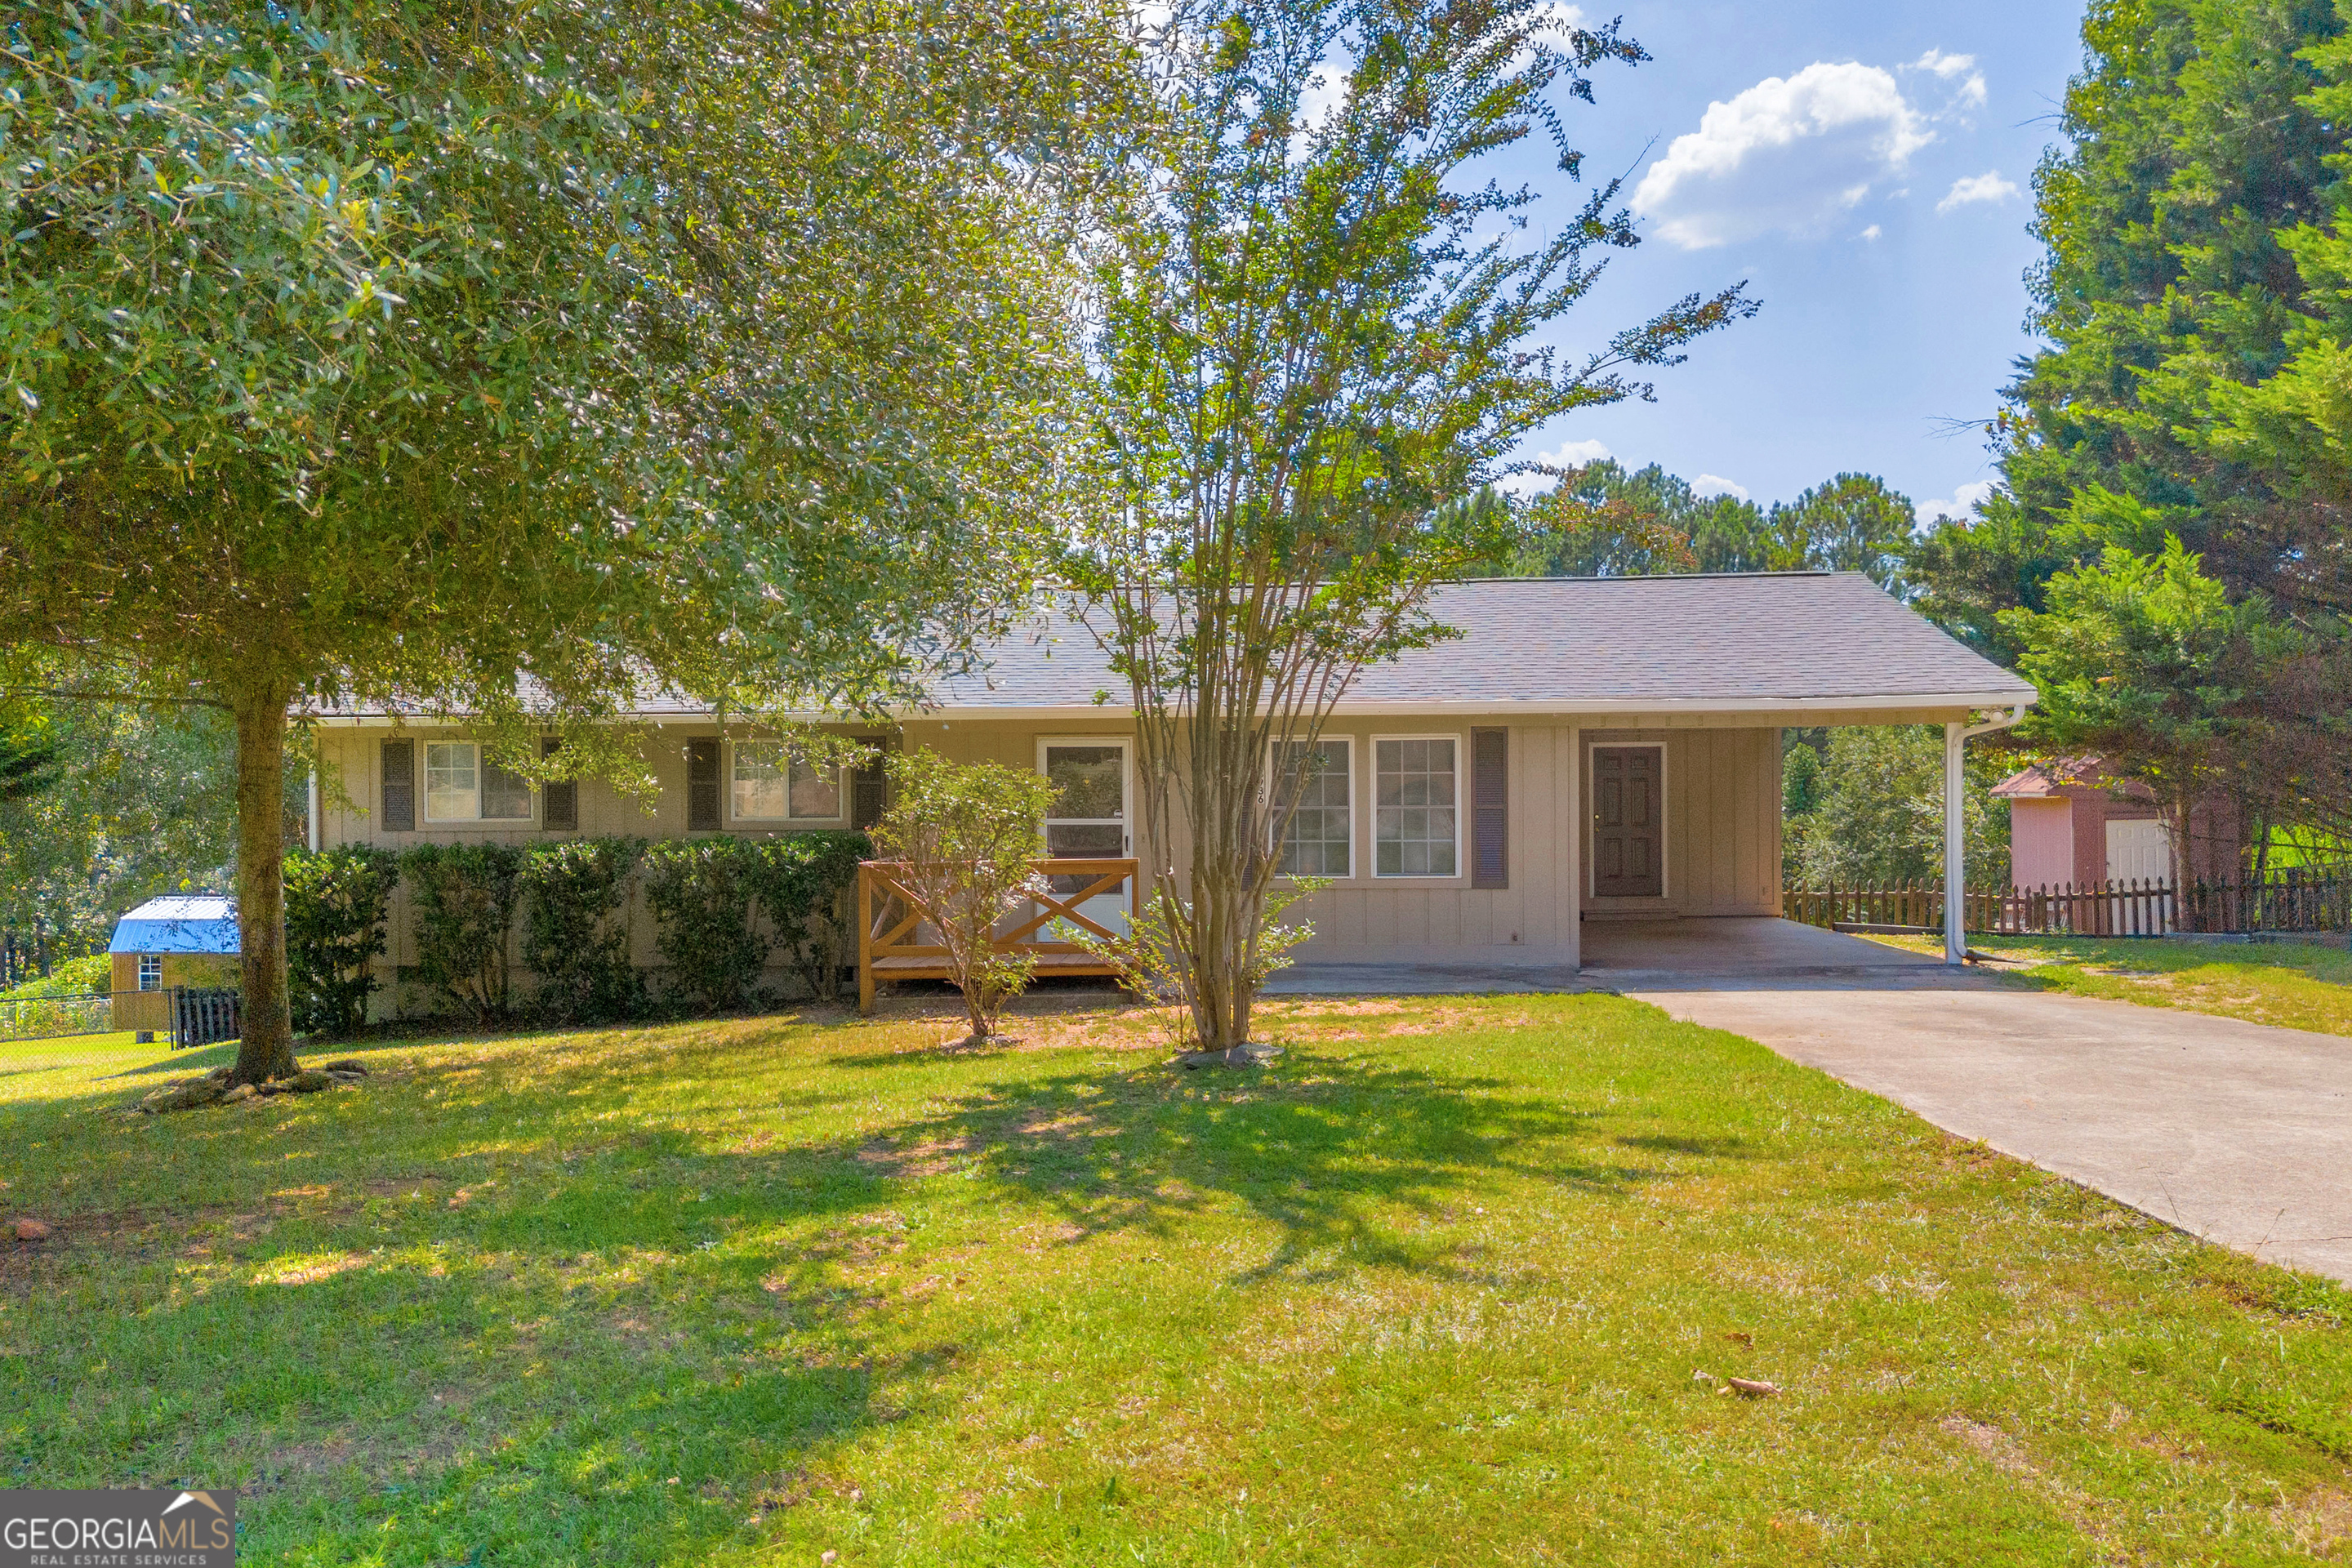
(1087, 821)
(1628, 822)
(1089, 817)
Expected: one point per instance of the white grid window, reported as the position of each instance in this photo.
(463, 785)
(150, 972)
(1322, 831)
(1413, 820)
(770, 786)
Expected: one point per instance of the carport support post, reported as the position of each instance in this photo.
(1956, 941)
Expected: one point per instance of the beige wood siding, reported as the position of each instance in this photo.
(1723, 820)
(1722, 829)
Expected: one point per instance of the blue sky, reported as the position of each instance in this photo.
(1867, 169)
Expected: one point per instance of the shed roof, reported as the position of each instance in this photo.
(204, 922)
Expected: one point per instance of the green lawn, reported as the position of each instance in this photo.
(1436, 1288)
(2299, 986)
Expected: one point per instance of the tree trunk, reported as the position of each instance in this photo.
(266, 1047)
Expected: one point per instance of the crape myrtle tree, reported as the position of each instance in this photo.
(1317, 327)
(507, 362)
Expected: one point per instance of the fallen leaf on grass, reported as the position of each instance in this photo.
(1749, 1387)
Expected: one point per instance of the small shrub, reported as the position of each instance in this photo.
(799, 882)
(575, 929)
(464, 903)
(964, 840)
(336, 902)
(700, 891)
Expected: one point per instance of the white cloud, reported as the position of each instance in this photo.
(1787, 155)
(1713, 485)
(1873, 232)
(1963, 503)
(1567, 455)
(1969, 83)
(1989, 187)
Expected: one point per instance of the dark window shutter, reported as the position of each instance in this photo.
(701, 785)
(559, 799)
(399, 786)
(1490, 808)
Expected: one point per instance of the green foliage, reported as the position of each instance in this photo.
(355, 349)
(2196, 297)
(701, 893)
(800, 882)
(2144, 662)
(137, 804)
(1879, 816)
(1801, 771)
(91, 975)
(1628, 524)
(336, 902)
(575, 929)
(461, 906)
(1315, 352)
(963, 839)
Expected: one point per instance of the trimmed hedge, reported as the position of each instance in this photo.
(575, 935)
(336, 902)
(463, 903)
(573, 897)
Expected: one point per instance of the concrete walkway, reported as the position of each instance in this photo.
(2237, 1133)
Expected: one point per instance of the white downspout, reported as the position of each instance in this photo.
(1956, 941)
(314, 811)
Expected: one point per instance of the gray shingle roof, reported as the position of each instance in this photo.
(1574, 644)
(1603, 642)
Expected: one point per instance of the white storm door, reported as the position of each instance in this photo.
(1089, 818)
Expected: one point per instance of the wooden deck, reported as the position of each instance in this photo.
(892, 923)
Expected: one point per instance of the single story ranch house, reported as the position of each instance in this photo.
(1590, 749)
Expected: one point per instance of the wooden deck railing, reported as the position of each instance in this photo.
(897, 940)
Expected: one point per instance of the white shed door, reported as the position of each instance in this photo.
(2138, 851)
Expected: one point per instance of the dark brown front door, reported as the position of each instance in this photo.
(1628, 824)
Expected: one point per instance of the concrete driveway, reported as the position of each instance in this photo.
(2236, 1133)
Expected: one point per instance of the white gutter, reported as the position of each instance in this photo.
(1893, 701)
(1956, 941)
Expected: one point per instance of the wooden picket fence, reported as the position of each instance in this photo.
(2290, 903)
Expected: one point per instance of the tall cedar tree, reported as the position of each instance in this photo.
(383, 351)
(1315, 351)
(2194, 297)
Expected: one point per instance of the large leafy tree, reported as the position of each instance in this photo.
(1630, 523)
(1316, 349)
(506, 362)
(2145, 662)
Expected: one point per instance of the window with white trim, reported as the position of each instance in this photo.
(1415, 826)
(150, 972)
(1321, 840)
(768, 783)
(463, 785)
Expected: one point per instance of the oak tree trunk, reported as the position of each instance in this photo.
(266, 1049)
